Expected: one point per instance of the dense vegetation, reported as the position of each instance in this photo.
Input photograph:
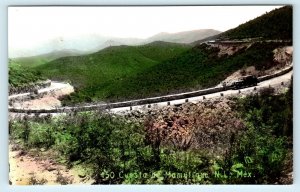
(197, 68)
(31, 62)
(99, 70)
(277, 24)
(244, 141)
(268, 140)
(122, 150)
(130, 72)
(34, 61)
(110, 64)
(20, 76)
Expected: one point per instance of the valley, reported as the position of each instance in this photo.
(174, 108)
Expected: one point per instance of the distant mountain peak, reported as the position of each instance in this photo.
(184, 36)
(95, 43)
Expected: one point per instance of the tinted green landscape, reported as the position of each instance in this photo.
(130, 72)
(122, 73)
(197, 68)
(241, 139)
(20, 76)
(277, 24)
(253, 135)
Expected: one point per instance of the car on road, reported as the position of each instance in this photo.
(245, 81)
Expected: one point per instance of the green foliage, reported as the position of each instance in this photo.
(109, 65)
(261, 151)
(277, 24)
(119, 150)
(267, 110)
(257, 157)
(133, 72)
(130, 72)
(95, 74)
(19, 131)
(31, 62)
(20, 76)
(196, 68)
(115, 148)
(42, 136)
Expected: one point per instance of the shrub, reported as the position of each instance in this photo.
(224, 142)
(41, 135)
(63, 180)
(34, 181)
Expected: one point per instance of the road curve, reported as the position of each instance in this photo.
(54, 86)
(277, 81)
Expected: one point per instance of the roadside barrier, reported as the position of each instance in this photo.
(146, 101)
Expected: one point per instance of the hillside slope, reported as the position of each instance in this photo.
(35, 61)
(20, 77)
(131, 72)
(95, 72)
(198, 68)
(277, 24)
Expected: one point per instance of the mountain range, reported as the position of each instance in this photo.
(80, 45)
(123, 72)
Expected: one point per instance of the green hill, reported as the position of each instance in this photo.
(34, 61)
(199, 67)
(19, 77)
(277, 24)
(93, 73)
(130, 72)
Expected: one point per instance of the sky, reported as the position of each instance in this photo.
(30, 27)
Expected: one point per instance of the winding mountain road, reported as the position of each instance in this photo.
(55, 86)
(279, 83)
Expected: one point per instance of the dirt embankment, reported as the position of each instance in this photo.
(283, 57)
(206, 126)
(39, 167)
(36, 167)
(47, 98)
(209, 126)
